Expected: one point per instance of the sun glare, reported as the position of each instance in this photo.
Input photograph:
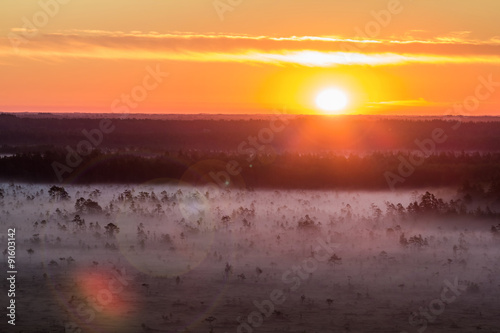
(332, 101)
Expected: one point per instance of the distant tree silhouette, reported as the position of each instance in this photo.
(88, 206)
(111, 230)
(58, 193)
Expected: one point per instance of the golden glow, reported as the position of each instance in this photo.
(306, 58)
(332, 100)
(81, 61)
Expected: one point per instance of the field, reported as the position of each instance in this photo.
(161, 258)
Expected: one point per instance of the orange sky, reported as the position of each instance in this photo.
(390, 57)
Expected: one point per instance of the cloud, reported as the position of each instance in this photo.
(409, 102)
(310, 51)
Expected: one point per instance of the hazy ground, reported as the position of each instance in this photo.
(185, 260)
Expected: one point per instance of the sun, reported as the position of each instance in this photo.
(332, 100)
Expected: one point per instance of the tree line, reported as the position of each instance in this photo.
(357, 134)
(271, 170)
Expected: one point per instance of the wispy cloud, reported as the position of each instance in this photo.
(310, 51)
(415, 36)
(409, 103)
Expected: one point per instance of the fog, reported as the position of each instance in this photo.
(185, 259)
